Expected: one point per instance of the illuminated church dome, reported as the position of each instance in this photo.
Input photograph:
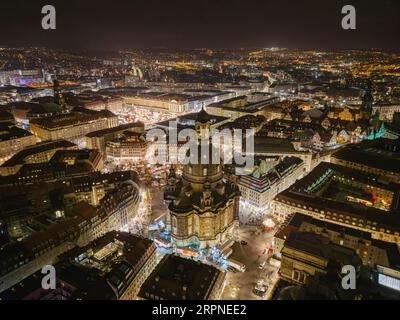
(203, 206)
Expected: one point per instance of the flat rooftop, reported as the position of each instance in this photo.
(77, 116)
(176, 278)
(122, 127)
(9, 131)
(382, 154)
(38, 148)
(188, 120)
(321, 247)
(271, 145)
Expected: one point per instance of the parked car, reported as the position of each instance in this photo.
(260, 289)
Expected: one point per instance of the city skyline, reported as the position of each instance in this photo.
(204, 150)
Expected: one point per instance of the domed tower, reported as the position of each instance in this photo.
(202, 125)
(58, 95)
(206, 207)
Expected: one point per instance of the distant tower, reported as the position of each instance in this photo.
(368, 101)
(202, 124)
(203, 208)
(58, 95)
(171, 187)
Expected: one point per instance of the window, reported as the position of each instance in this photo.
(299, 276)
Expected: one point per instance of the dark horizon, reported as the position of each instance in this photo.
(177, 24)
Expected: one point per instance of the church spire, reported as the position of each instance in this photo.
(202, 124)
(368, 101)
(58, 95)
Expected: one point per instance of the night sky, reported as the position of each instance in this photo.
(122, 24)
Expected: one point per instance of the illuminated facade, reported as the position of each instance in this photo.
(12, 140)
(129, 148)
(113, 267)
(372, 252)
(266, 182)
(39, 153)
(98, 139)
(74, 125)
(162, 102)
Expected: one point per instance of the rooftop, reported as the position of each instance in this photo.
(381, 153)
(176, 278)
(322, 248)
(77, 116)
(38, 148)
(272, 145)
(8, 131)
(299, 221)
(122, 127)
(333, 188)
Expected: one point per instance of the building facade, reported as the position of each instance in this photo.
(72, 126)
(265, 183)
(130, 148)
(12, 140)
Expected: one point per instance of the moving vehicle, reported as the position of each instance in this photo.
(162, 242)
(187, 252)
(260, 289)
(237, 265)
(226, 245)
(262, 265)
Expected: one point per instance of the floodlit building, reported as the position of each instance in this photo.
(73, 125)
(98, 139)
(41, 152)
(115, 211)
(63, 164)
(129, 148)
(13, 139)
(159, 101)
(386, 111)
(95, 101)
(268, 179)
(204, 206)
